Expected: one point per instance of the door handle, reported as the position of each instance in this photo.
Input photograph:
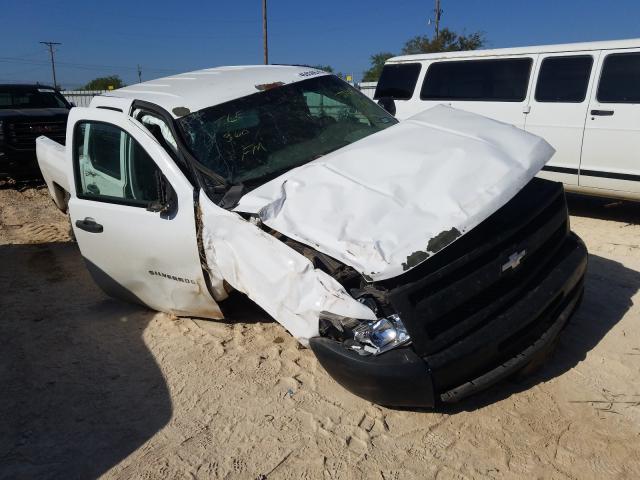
(602, 113)
(89, 225)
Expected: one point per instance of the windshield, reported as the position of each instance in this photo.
(20, 97)
(255, 138)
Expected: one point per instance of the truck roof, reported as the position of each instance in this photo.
(563, 47)
(189, 92)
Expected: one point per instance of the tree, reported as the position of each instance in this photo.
(447, 41)
(377, 62)
(105, 83)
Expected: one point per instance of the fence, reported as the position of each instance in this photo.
(81, 98)
(368, 88)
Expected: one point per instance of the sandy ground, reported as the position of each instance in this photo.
(90, 386)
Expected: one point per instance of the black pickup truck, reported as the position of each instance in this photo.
(26, 112)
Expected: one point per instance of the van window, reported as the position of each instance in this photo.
(620, 79)
(398, 81)
(564, 79)
(503, 80)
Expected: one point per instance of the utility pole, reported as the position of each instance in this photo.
(438, 12)
(139, 74)
(53, 63)
(264, 32)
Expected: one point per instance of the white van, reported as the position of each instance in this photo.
(583, 98)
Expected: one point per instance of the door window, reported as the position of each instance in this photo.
(398, 81)
(111, 166)
(564, 79)
(620, 79)
(502, 80)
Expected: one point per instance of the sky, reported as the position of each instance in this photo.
(169, 36)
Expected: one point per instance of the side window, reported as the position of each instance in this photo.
(103, 149)
(620, 79)
(398, 81)
(111, 166)
(502, 80)
(564, 79)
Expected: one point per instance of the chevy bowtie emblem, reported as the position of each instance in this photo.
(514, 260)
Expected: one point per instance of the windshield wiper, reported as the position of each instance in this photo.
(230, 192)
(233, 196)
(221, 182)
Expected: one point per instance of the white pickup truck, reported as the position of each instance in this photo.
(421, 261)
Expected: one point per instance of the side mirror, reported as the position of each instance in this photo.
(388, 104)
(167, 200)
(157, 207)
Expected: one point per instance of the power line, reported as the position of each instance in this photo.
(81, 66)
(53, 63)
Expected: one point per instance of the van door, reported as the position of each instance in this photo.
(137, 246)
(611, 147)
(558, 109)
(494, 87)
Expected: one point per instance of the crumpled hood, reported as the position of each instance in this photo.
(388, 202)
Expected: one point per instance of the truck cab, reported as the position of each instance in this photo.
(421, 261)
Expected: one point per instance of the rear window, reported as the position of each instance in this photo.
(564, 79)
(398, 81)
(620, 79)
(478, 80)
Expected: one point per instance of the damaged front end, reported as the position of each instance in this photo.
(469, 317)
(421, 261)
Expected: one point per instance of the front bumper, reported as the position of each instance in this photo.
(402, 378)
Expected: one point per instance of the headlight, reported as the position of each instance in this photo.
(379, 336)
(367, 337)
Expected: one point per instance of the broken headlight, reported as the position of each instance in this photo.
(367, 337)
(379, 336)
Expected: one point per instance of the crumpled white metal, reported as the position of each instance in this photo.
(386, 203)
(276, 277)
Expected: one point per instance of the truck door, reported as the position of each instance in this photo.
(611, 147)
(133, 215)
(558, 109)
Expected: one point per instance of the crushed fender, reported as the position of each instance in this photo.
(279, 279)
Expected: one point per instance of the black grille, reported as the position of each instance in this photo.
(463, 289)
(22, 136)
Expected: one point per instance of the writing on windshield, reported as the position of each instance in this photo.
(254, 138)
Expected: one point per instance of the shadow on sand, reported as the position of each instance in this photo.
(603, 208)
(80, 390)
(607, 298)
